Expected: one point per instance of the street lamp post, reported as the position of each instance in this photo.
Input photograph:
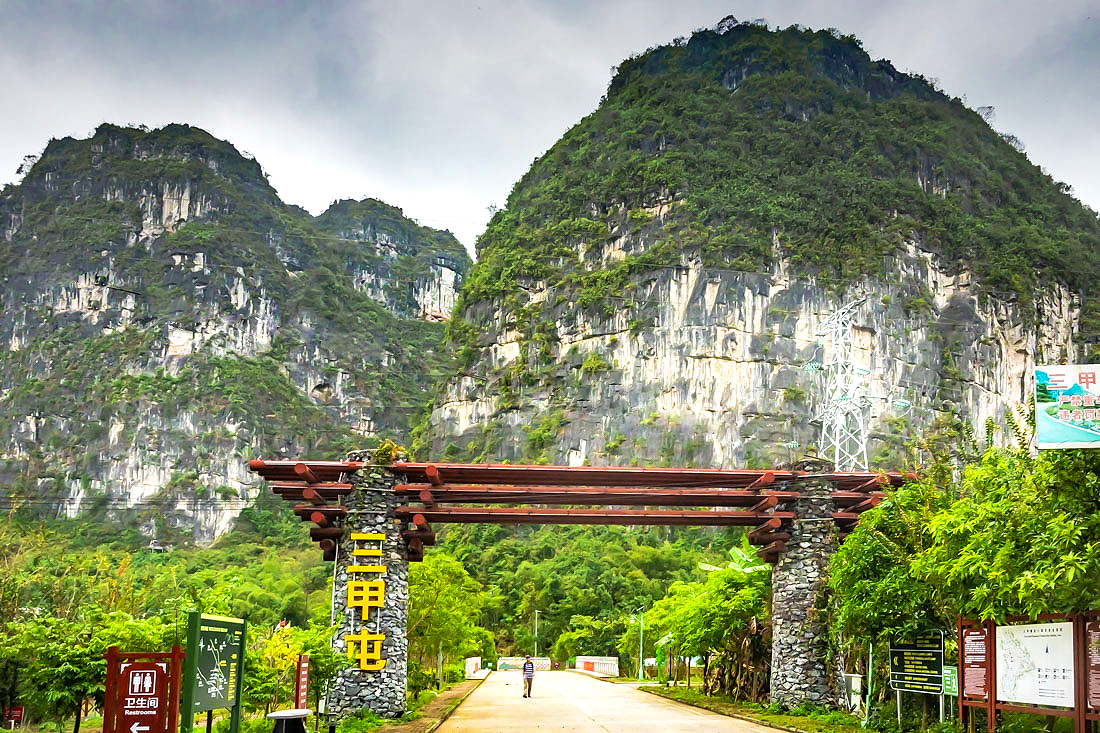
(536, 632)
(641, 631)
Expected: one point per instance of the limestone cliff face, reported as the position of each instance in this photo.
(655, 289)
(723, 374)
(166, 318)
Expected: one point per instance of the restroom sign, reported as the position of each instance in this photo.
(142, 691)
(143, 697)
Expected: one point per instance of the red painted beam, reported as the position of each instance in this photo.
(305, 510)
(426, 537)
(432, 474)
(304, 472)
(619, 495)
(769, 525)
(322, 533)
(771, 552)
(527, 515)
(765, 479)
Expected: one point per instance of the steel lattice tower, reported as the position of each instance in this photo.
(844, 412)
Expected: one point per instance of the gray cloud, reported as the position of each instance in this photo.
(439, 107)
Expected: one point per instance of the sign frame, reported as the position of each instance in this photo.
(113, 712)
(1085, 712)
(1067, 406)
(227, 627)
(916, 665)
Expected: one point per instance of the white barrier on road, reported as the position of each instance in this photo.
(506, 663)
(600, 665)
(473, 666)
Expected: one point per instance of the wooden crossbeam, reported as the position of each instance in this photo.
(765, 479)
(328, 550)
(770, 525)
(869, 503)
(426, 537)
(313, 496)
(768, 502)
(432, 474)
(306, 473)
(308, 511)
(532, 515)
(620, 495)
(322, 533)
(771, 552)
(427, 498)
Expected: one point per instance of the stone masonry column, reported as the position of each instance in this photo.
(373, 624)
(801, 672)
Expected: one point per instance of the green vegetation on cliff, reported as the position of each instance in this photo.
(160, 299)
(734, 148)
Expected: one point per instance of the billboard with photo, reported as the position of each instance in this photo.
(1067, 406)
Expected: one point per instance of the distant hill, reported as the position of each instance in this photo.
(654, 289)
(166, 317)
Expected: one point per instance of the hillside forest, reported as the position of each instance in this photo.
(1001, 533)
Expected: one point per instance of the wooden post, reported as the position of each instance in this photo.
(991, 645)
(1080, 674)
(962, 670)
(175, 678)
(110, 694)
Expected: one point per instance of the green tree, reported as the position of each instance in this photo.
(444, 607)
(1023, 539)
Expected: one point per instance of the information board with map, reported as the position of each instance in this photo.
(213, 667)
(1035, 664)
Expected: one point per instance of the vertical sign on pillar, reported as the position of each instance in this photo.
(301, 682)
(366, 591)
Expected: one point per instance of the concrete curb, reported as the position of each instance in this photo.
(447, 713)
(745, 718)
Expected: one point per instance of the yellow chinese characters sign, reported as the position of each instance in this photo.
(366, 590)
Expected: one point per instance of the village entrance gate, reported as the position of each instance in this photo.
(372, 520)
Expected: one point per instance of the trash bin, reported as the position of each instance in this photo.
(290, 721)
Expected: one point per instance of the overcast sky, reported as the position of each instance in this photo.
(439, 107)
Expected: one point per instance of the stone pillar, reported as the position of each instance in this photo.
(377, 677)
(801, 672)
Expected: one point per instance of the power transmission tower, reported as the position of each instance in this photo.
(844, 412)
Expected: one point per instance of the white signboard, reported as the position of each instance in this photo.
(1067, 406)
(1035, 664)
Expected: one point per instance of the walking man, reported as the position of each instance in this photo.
(528, 676)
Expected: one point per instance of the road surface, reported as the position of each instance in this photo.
(570, 701)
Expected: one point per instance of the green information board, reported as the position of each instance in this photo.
(950, 680)
(213, 668)
(916, 663)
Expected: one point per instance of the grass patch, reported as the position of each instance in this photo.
(811, 721)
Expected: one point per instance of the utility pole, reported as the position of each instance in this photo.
(536, 632)
(843, 412)
(641, 631)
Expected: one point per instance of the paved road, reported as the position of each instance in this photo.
(569, 701)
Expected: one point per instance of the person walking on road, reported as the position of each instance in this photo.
(528, 676)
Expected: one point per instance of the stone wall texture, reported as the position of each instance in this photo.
(802, 672)
(370, 510)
